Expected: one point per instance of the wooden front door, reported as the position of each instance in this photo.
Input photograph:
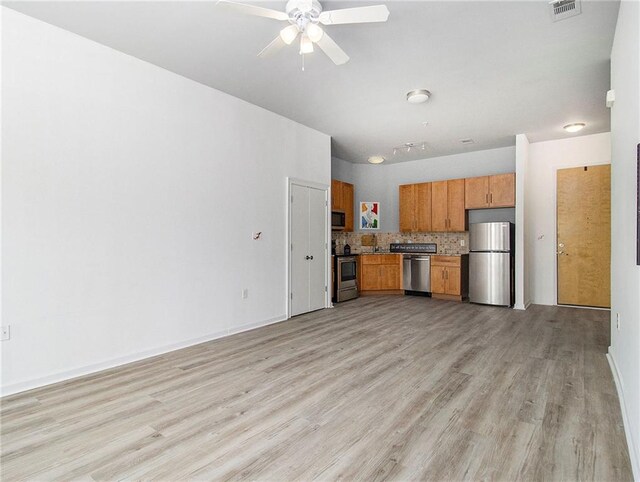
(584, 236)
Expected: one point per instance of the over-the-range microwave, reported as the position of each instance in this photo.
(337, 220)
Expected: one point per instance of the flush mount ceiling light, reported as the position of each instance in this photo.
(418, 96)
(376, 159)
(578, 126)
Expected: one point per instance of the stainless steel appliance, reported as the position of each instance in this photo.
(338, 220)
(416, 265)
(346, 283)
(491, 263)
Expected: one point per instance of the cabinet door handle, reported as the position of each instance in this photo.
(486, 199)
(491, 198)
(442, 274)
(446, 274)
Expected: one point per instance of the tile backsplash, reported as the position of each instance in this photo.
(448, 243)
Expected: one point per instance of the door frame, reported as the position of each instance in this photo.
(322, 187)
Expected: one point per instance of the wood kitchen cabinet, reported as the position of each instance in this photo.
(342, 200)
(447, 206)
(336, 195)
(447, 277)
(380, 273)
(415, 207)
(497, 191)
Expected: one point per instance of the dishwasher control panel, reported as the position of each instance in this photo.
(418, 248)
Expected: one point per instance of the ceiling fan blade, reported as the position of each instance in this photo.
(373, 13)
(333, 51)
(275, 45)
(253, 10)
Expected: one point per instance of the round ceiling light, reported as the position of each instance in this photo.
(418, 96)
(578, 126)
(376, 159)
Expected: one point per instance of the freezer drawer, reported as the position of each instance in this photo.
(490, 237)
(490, 278)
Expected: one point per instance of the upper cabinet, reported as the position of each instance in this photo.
(342, 200)
(336, 195)
(347, 202)
(415, 207)
(490, 191)
(447, 206)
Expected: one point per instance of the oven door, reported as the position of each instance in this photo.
(347, 273)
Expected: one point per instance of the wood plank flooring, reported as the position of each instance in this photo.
(396, 388)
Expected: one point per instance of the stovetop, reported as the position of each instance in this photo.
(426, 248)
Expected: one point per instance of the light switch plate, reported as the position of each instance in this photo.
(6, 333)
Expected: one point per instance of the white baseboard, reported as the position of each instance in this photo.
(631, 446)
(116, 362)
(258, 324)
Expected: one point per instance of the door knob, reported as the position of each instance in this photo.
(308, 257)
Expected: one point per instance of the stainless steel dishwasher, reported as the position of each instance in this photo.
(416, 273)
(416, 265)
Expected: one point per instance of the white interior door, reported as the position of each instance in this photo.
(299, 249)
(317, 247)
(308, 215)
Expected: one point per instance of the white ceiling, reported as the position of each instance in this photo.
(495, 69)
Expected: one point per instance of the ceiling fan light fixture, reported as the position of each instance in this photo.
(306, 45)
(418, 96)
(376, 159)
(289, 34)
(575, 127)
(314, 32)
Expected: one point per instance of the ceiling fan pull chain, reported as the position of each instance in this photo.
(302, 62)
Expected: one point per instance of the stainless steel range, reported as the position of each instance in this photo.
(346, 283)
(416, 265)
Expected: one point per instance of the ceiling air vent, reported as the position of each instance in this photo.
(562, 9)
(468, 140)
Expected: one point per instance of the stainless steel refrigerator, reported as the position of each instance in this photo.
(491, 263)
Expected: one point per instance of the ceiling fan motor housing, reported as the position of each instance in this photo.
(309, 9)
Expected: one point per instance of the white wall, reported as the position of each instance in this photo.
(522, 256)
(545, 158)
(130, 195)
(342, 170)
(380, 182)
(625, 274)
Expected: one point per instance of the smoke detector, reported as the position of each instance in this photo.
(561, 9)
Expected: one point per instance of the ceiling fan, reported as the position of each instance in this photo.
(304, 17)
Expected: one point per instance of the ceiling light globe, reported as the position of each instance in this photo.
(314, 32)
(289, 34)
(306, 45)
(578, 126)
(376, 159)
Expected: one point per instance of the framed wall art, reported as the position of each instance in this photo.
(369, 215)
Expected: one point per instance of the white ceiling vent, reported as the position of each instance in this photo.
(468, 140)
(561, 9)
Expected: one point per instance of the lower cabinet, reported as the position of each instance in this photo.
(380, 272)
(447, 277)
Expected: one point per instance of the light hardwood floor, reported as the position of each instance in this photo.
(398, 388)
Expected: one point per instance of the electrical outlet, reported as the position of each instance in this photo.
(618, 321)
(6, 332)
(462, 242)
(245, 293)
